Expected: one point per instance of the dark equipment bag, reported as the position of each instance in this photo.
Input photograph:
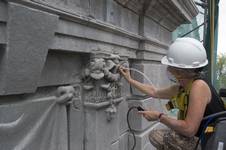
(216, 140)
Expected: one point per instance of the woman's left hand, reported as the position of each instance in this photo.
(150, 115)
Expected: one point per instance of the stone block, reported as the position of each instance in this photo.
(125, 88)
(3, 11)
(91, 133)
(137, 121)
(74, 44)
(123, 141)
(76, 123)
(142, 139)
(100, 133)
(113, 13)
(61, 68)
(129, 21)
(72, 6)
(151, 28)
(77, 127)
(165, 36)
(155, 73)
(149, 146)
(35, 124)
(145, 55)
(29, 35)
(115, 146)
(122, 110)
(137, 76)
(158, 48)
(97, 9)
(2, 33)
(87, 32)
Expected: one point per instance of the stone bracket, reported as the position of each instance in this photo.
(67, 95)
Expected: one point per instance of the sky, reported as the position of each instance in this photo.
(222, 28)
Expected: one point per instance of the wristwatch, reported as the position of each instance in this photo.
(160, 115)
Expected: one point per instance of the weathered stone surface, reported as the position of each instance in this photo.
(113, 15)
(30, 33)
(139, 77)
(142, 139)
(156, 31)
(76, 126)
(123, 141)
(74, 44)
(98, 9)
(146, 55)
(122, 110)
(61, 68)
(168, 14)
(129, 21)
(87, 32)
(155, 73)
(138, 122)
(30, 29)
(152, 32)
(165, 36)
(35, 124)
(100, 133)
(125, 89)
(2, 33)
(115, 146)
(73, 6)
(3, 11)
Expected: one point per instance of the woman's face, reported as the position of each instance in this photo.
(176, 72)
(182, 76)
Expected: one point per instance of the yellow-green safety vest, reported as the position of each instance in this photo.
(181, 100)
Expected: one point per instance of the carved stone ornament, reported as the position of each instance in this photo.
(101, 78)
(69, 95)
(101, 81)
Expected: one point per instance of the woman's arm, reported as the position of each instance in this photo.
(150, 90)
(199, 97)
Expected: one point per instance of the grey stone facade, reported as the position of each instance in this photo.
(59, 85)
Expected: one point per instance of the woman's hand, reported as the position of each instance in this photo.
(150, 115)
(125, 72)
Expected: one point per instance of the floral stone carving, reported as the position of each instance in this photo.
(101, 80)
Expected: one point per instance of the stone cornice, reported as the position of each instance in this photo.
(168, 13)
(187, 7)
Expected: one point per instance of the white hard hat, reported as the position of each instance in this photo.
(186, 53)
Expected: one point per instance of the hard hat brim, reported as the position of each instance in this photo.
(165, 61)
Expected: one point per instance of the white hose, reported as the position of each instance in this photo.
(145, 76)
(150, 82)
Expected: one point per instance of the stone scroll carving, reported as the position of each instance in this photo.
(101, 81)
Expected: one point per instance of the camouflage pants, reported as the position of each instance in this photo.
(166, 139)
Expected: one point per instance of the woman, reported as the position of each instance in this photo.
(192, 95)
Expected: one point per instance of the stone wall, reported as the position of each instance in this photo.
(58, 69)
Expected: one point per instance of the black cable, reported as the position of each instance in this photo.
(130, 129)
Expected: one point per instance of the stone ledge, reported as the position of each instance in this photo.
(102, 104)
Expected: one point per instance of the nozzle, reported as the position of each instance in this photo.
(139, 108)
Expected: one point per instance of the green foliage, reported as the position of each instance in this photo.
(221, 71)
